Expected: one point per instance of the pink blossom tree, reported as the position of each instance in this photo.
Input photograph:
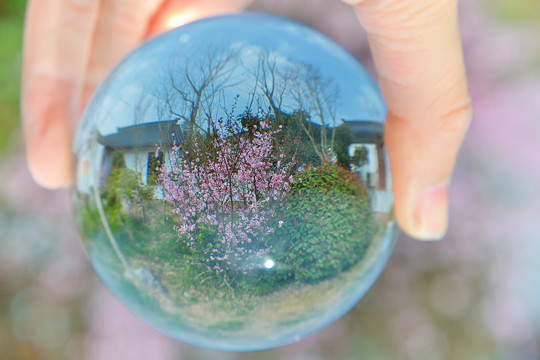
(227, 193)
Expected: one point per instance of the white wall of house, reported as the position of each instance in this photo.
(137, 160)
(382, 200)
(90, 165)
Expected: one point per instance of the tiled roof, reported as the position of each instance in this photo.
(365, 131)
(168, 133)
(163, 133)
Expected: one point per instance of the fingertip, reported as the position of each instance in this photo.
(49, 157)
(427, 217)
(45, 113)
(176, 13)
(48, 179)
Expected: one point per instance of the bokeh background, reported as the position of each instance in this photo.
(474, 295)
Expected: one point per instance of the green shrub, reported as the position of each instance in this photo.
(261, 281)
(328, 177)
(89, 222)
(123, 181)
(327, 224)
(205, 239)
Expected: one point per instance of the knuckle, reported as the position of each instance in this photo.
(458, 118)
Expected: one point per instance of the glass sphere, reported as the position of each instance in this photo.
(232, 185)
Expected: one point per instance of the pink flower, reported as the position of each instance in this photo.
(229, 190)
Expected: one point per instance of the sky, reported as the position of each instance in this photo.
(137, 85)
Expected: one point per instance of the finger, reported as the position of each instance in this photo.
(121, 26)
(55, 33)
(59, 71)
(175, 13)
(417, 51)
(67, 54)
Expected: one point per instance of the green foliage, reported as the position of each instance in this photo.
(516, 10)
(123, 181)
(327, 224)
(360, 157)
(89, 222)
(154, 164)
(115, 217)
(328, 177)
(205, 236)
(327, 218)
(342, 140)
(117, 159)
(263, 281)
(11, 20)
(12, 8)
(293, 139)
(154, 242)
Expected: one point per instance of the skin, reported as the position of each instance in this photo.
(71, 45)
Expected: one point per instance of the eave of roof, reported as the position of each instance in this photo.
(365, 131)
(159, 133)
(168, 134)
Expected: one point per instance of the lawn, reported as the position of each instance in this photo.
(185, 298)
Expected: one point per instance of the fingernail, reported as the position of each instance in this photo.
(431, 213)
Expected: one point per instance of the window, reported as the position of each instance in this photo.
(154, 163)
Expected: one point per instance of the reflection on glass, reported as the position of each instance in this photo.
(232, 185)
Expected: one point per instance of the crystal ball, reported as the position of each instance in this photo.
(232, 186)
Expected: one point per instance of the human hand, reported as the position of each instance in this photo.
(416, 48)
(69, 48)
(417, 51)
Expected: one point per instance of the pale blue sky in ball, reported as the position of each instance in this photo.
(146, 70)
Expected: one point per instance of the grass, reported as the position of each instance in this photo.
(244, 301)
(197, 300)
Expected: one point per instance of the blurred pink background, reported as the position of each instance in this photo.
(474, 295)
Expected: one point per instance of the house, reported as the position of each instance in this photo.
(143, 146)
(135, 147)
(374, 170)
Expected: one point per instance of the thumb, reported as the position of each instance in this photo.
(418, 56)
